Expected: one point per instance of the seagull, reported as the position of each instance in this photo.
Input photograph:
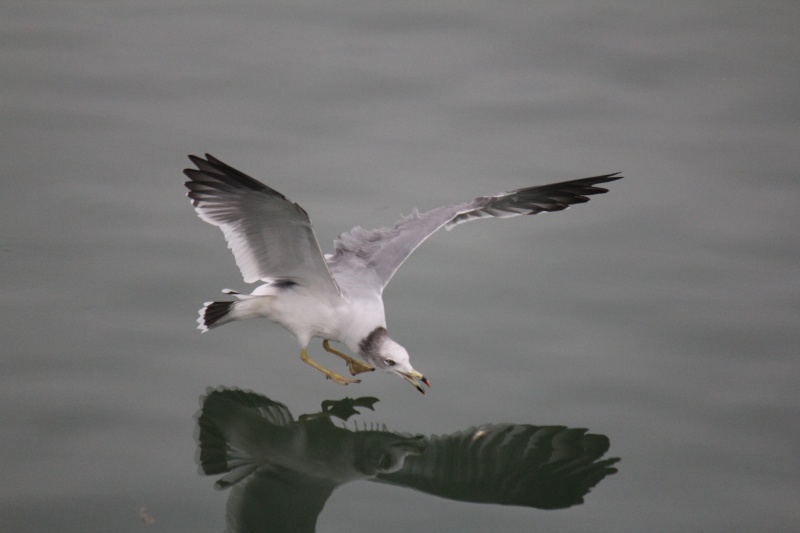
(336, 297)
(283, 470)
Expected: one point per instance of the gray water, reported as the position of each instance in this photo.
(663, 314)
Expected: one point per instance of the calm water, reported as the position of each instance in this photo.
(663, 315)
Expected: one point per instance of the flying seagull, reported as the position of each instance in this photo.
(336, 297)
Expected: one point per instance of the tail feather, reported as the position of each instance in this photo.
(230, 428)
(214, 314)
(229, 433)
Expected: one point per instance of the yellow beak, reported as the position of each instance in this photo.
(412, 378)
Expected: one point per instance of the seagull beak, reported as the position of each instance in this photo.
(412, 378)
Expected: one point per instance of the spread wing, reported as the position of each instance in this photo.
(376, 255)
(547, 467)
(279, 500)
(271, 237)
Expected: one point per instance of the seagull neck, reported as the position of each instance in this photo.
(372, 342)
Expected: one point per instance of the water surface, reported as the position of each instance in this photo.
(662, 315)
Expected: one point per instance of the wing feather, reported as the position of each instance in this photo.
(547, 467)
(382, 251)
(270, 236)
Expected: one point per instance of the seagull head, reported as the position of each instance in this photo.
(385, 354)
(382, 452)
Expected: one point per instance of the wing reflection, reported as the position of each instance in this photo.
(283, 470)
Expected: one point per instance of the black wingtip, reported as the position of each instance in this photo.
(216, 170)
(604, 178)
(613, 176)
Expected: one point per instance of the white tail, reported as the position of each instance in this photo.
(215, 314)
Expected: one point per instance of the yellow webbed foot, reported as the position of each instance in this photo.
(341, 380)
(329, 374)
(355, 366)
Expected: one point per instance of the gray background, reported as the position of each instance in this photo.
(663, 314)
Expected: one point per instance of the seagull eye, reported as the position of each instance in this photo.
(390, 362)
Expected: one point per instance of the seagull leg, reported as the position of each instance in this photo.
(341, 380)
(356, 367)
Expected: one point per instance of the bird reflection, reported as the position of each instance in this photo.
(282, 470)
